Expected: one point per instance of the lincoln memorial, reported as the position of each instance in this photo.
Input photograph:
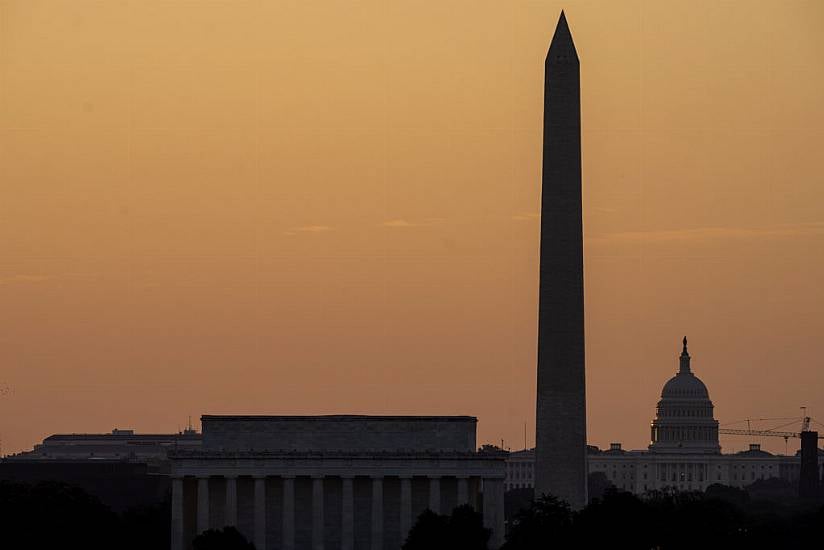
(331, 482)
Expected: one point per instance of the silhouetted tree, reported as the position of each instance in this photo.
(516, 500)
(462, 530)
(429, 531)
(466, 530)
(597, 484)
(666, 520)
(773, 489)
(227, 538)
(54, 515)
(544, 525)
(147, 526)
(58, 515)
(733, 495)
(616, 516)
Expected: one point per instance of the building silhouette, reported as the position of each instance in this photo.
(122, 468)
(684, 452)
(684, 421)
(323, 482)
(561, 461)
(121, 445)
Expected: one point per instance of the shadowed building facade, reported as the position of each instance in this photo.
(684, 453)
(332, 482)
(561, 460)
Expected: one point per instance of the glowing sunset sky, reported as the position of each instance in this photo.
(332, 207)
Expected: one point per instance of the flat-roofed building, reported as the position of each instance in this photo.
(342, 482)
(119, 445)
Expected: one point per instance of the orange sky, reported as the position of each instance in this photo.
(331, 207)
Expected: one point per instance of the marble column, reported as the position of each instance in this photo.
(406, 507)
(260, 512)
(377, 513)
(230, 512)
(463, 490)
(202, 504)
(317, 513)
(435, 494)
(288, 513)
(493, 496)
(347, 541)
(177, 513)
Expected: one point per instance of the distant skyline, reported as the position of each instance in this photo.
(270, 208)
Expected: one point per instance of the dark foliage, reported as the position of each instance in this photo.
(545, 525)
(430, 528)
(57, 515)
(462, 530)
(54, 515)
(227, 538)
(712, 521)
(597, 485)
(773, 489)
(618, 516)
(516, 500)
(722, 517)
(148, 526)
(733, 495)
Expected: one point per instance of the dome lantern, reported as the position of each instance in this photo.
(685, 359)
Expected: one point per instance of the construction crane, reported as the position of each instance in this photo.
(760, 433)
(805, 427)
(809, 476)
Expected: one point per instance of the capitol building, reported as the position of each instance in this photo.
(683, 454)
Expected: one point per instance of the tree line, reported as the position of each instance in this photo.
(56, 515)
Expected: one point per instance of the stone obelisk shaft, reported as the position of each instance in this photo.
(560, 454)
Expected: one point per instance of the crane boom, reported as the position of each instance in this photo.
(757, 433)
(761, 433)
(805, 427)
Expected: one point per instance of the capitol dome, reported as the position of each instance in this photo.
(684, 421)
(685, 385)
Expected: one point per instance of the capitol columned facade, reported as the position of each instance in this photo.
(684, 452)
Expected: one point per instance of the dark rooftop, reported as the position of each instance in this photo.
(340, 418)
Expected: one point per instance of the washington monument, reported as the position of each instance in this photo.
(560, 443)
